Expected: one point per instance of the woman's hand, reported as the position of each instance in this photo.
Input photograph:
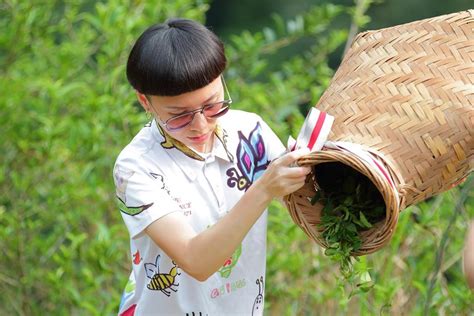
(281, 178)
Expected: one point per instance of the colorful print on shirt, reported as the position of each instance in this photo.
(230, 263)
(130, 311)
(171, 142)
(137, 258)
(161, 281)
(228, 288)
(121, 179)
(132, 210)
(251, 160)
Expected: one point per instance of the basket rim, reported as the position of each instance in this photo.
(382, 231)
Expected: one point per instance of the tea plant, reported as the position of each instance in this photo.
(351, 204)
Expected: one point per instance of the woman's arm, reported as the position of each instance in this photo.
(201, 255)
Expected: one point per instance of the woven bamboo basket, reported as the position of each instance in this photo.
(405, 94)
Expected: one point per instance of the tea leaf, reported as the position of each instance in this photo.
(328, 207)
(351, 203)
(364, 220)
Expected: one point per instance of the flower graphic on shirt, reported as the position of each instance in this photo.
(161, 281)
(251, 160)
(226, 268)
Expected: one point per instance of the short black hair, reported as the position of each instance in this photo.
(175, 57)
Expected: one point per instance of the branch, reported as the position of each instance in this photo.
(360, 9)
(444, 240)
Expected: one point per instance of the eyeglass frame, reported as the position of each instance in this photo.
(226, 103)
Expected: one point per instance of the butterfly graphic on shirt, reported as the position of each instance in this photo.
(258, 303)
(251, 160)
(163, 282)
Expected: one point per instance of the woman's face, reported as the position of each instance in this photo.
(199, 134)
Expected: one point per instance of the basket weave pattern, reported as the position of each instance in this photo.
(406, 93)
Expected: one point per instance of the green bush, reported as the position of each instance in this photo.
(67, 111)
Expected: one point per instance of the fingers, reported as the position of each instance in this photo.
(294, 187)
(281, 178)
(291, 157)
(296, 172)
(289, 184)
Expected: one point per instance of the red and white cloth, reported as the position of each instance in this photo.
(314, 132)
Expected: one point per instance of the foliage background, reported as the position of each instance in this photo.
(66, 111)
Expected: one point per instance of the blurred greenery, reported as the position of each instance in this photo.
(66, 111)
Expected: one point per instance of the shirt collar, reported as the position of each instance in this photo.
(188, 159)
(221, 145)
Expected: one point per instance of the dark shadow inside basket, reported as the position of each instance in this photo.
(341, 181)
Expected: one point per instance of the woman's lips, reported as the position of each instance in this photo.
(200, 138)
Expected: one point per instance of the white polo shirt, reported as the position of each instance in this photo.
(156, 175)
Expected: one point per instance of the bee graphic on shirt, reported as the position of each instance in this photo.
(163, 282)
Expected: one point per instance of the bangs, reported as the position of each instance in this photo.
(175, 58)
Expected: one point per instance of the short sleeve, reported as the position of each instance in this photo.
(273, 144)
(142, 197)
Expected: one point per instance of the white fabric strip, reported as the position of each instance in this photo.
(314, 132)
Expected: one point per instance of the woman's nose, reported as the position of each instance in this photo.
(199, 120)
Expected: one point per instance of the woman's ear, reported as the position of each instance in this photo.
(145, 103)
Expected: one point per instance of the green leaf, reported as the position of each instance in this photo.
(328, 207)
(364, 220)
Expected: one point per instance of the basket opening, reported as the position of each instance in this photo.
(344, 185)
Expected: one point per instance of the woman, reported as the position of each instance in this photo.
(194, 184)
